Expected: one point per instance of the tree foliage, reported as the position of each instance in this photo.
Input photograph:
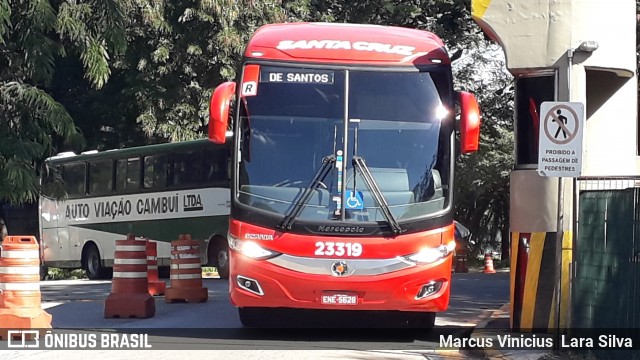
(482, 178)
(33, 35)
(180, 50)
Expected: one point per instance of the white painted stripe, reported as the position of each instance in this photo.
(131, 248)
(20, 270)
(47, 305)
(21, 254)
(186, 276)
(34, 286)
(186, 266)
(129, 274)
(130, 261)
(152, 267)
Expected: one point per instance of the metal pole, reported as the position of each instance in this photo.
(558, 265)
(560, 226)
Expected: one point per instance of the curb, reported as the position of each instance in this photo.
(502, 312)
(480, 270)
(479, 331)
(483, 330)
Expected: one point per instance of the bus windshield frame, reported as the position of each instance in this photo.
(399, 121)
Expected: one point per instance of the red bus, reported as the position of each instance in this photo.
(342, 189)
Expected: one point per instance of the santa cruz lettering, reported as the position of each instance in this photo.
(346, 45)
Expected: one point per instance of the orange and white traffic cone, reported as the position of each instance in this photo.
(130, 296)
(186, 272)
(20, 295)
(156, 286)
(488, 264)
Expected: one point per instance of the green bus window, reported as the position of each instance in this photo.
(186, 168)
(100, 177)
(52, 184)
(73, 176)
(155, 172)
(128, 174)
(215, 166)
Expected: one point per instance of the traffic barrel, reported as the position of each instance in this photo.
(186, 272)
(488, 264)
(156, 286)
(20, 296)
(129, 297)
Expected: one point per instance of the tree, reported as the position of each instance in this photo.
(180, 50)
(482, 179)
(33, 35)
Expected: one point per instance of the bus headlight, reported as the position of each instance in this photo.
(250, 249)
(430, 255)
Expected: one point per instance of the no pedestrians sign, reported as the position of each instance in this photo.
(561, 135)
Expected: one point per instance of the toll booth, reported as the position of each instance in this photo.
(570, 51)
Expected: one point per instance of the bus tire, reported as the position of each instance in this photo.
(218, 256)
(92, 263)
(422, 320)
(252, 317)
(44, 271)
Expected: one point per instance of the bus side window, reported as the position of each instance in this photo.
(52, 185)
(128, 174)
(155, 172)
(100, 177)
(74, 176)
(186, 168)
(216, 166)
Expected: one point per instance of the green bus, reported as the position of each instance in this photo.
(90, 200)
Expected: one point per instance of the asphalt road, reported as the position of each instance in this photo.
(212, 330)
(79, 304)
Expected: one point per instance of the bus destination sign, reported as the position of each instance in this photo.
(305, 76)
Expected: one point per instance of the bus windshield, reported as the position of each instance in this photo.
(395, 122)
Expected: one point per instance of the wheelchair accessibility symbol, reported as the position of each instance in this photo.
(353, 200)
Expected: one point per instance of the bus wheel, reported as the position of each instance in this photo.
(44, 271)
(219, 257)
(92, 263)
(252, 317)
(422, 320)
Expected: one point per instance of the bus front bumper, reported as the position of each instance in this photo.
(256, 283)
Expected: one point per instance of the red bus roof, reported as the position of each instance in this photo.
(346, 43)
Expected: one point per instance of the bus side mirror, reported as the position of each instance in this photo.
(219, 111)
(469, 122)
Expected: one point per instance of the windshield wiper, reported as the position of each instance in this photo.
(359, 163)
(296, 209)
